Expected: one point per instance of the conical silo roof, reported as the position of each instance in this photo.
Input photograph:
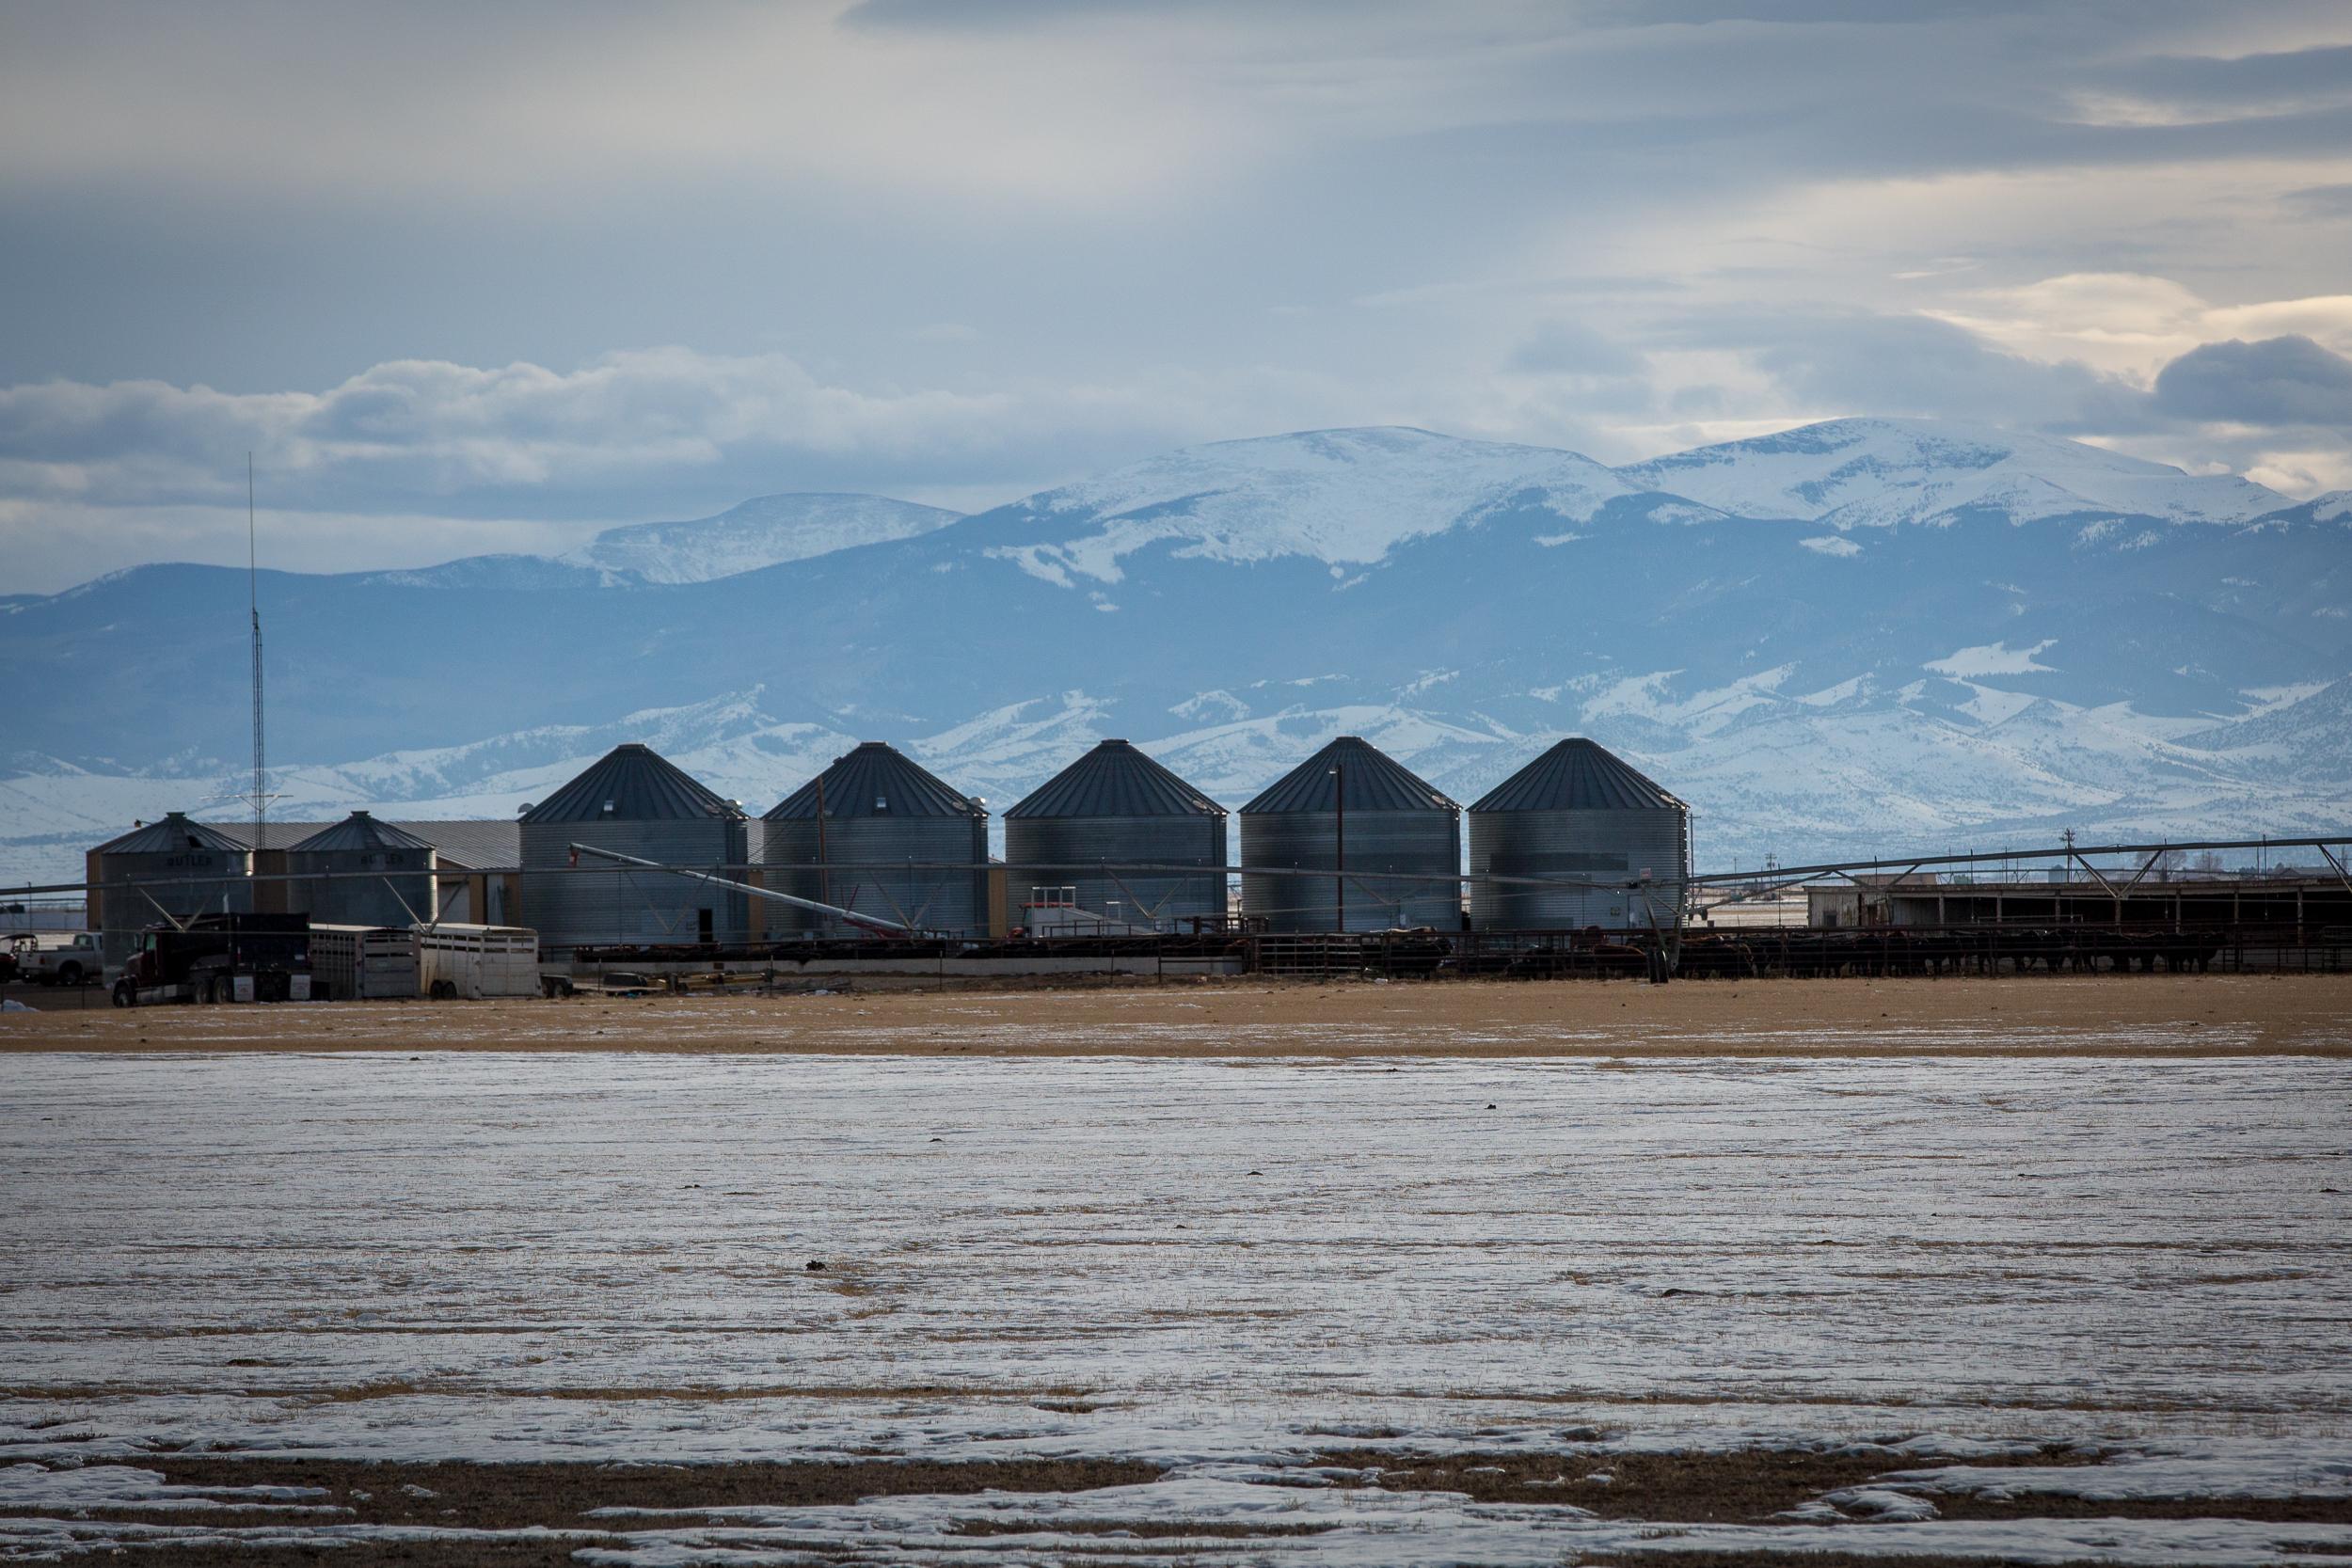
(1115, 779)
(175, 831)
(1376, 782)
(876, 779)
(640, 786)
(359, 831)
(1578, 775)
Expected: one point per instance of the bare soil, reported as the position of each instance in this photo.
(1751, 1487)
(2135, 1015)
(1755, 1486)
(1807, 1559)
(1737, 1486)
(559, 1496)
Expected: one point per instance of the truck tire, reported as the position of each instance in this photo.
(69, 973)
(217, 990)
(125, 995)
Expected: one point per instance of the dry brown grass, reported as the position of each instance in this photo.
(2033, 1015)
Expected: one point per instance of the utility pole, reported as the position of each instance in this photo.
(1339, 845)
(824, 877)
(253, 597)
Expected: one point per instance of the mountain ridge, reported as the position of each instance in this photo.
(1881, 472)
(1244, 602)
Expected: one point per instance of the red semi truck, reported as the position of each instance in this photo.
(220, 958)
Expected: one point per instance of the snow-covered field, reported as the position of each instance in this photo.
(1222, 1267)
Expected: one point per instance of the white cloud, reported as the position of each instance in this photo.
(618, 425)
(522, 100)
(2133, 324)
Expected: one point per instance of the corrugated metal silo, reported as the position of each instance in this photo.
(1112, 806)
(1352, 807)
(635, 802)
(368, 873)
(885, 818)
(213, 868)
(1578, 813)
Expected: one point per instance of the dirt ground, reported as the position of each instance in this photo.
(2108, 1015)
(1745, 1486)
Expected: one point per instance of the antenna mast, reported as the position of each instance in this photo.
(254, 592)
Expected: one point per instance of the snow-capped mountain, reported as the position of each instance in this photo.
(2333, 507)
(2024, 666)
(1877, 473)
(1344, 497)
(764, 532)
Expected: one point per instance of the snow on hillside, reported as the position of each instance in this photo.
(2305, 738)
(2333, 507)
(765, 532)
(517, 572)
(1877, 473)
(1341, 497)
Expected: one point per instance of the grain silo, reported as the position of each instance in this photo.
(1352, 808)
(361, 872)
(637, 803)
(184, 868)
(1578, 813)
(893, 840)
(1112, 807)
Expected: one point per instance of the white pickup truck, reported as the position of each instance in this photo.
(58, 957)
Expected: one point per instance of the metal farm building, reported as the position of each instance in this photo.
(891, 840)
(212, 870)
(1352, 807)
(1581, 815)
(362, 871)
(634, 802)
(1115, 806)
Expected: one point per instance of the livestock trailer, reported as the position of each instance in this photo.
(477, 962)
(363, 963)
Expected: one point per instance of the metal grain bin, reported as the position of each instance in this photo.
(1352, 807)
(899, 844)
(186, 868)
(635, 802)
(1581, 815)
(1111, 807)
(362, 871)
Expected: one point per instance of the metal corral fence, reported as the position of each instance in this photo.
(1801, 952)
(1591, 953)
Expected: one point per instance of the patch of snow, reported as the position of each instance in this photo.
(1833, 545)
(1992, 658)
(766, 531)
(1880, 473)
(1185, 1284)
(1342, 497)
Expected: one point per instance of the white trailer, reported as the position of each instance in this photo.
(477, 962)
(364, 963)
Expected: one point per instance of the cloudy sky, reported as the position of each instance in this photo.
(482, 279)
